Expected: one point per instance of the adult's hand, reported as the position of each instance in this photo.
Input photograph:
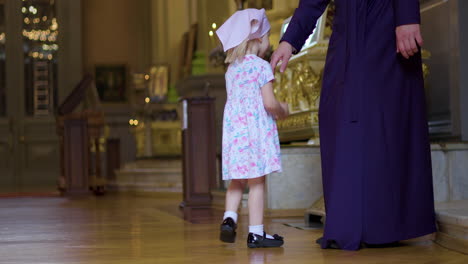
(408, 38)
(283, 53)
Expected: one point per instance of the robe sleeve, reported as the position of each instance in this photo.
(303, 22)
(406, 12)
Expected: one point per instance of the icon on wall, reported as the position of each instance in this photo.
(158, 83)
(111, 83)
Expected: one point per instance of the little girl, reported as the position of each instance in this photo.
(250, 137)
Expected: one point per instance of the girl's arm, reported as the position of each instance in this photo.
(272, 105)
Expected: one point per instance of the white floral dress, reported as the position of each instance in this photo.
(250, 136)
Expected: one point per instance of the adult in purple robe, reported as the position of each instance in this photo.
(376, 162)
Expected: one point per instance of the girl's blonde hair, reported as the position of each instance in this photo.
(238, 53)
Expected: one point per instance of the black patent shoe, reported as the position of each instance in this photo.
(228, 231)
(256, 241)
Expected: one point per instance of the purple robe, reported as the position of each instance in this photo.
(376, 162)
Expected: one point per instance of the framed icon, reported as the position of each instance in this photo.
(111, 82)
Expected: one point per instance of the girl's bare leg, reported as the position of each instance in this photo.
(256, 200)
(234, 195)
(233, 199)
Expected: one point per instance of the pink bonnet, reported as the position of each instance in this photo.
(239, 27)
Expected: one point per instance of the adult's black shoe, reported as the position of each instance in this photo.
(228, 231)
(330, 244)
(257, 241)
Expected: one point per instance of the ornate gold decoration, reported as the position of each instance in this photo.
(425, 70)
(425, 54)
(299, 126)
(299, 87)
(300, 120)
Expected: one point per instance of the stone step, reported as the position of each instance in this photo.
(145, 188)
(452, 221)
(159, 175)
(154, 163)
(154, 172)
(143, 175)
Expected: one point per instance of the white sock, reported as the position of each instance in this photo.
(231, 214)
(258, 230)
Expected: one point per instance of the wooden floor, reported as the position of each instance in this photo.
(128, 229)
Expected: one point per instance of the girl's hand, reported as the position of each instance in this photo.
(285, 109)
(283, 112)
(276, 109)
(408, 38)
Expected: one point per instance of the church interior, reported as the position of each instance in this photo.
(111, 116)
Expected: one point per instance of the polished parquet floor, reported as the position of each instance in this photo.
(135, 229)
